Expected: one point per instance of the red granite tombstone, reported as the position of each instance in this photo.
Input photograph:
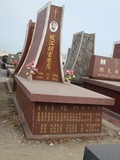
(104, 68)
(108, 88)
(28, 38)
(116, 51)
(56, 110)
(46, 45)
(50, 108)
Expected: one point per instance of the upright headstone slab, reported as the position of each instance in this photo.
(104, 68)
(116, 50)
(12, 72)
(10, 59)
(75, 48)
(28, 39)
(81, 65)
(81, 51)
(45, 48)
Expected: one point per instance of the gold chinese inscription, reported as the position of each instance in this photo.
(67, 119)
(50, 50)
(106, 70)
(48, 65)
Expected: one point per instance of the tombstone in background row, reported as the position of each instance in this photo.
(104, 78)
(82, 62)
(12, 72)
(50, 108)
(75, 48)
(81, 51)
(116, 50)
(67, 59)
(27, 42)
(104, 68)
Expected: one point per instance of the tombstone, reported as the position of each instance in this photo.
(67, 60)
(46, 46)
(81, 51)
(75, 48)
(104, 78)
(116, 50)
(107, 87)
(20, 58)
(81, 65)
(104, 68)
(50, 108)
(4, 61)
(102, 152)
(10, 59)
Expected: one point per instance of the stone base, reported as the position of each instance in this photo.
(57, 110)
(108, 88)
(11, 83)
(30, 136)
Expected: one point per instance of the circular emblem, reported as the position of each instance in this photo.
(53, 26)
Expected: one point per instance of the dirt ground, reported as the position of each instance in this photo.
(15, 146)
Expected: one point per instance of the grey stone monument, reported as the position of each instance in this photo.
(81, 64)
(67, 59)
(81, 51)
(75, 48)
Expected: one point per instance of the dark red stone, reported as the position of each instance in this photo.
(59, 109)
(28, 38)
(45, 49)
(11, 83)
(50, 108)
(116, 51)
(108, 88)
(104, 68)
(12, 72)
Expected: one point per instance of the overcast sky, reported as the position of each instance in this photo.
(101, 17)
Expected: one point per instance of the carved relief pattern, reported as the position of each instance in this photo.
(87, 50)
(74, 50)
(67, 60)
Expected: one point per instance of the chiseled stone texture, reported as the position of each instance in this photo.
(77, 40)
(67, 59)
(81, 65)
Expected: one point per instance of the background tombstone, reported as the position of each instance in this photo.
(81, 51)
(11, 58)
(67, 59)
(28, 39)
(81, 65)
(45, 49)
(104, 68)
(116, 50)
(75, 48)
(20, 60)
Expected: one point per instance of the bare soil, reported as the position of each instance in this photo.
(15, 146)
